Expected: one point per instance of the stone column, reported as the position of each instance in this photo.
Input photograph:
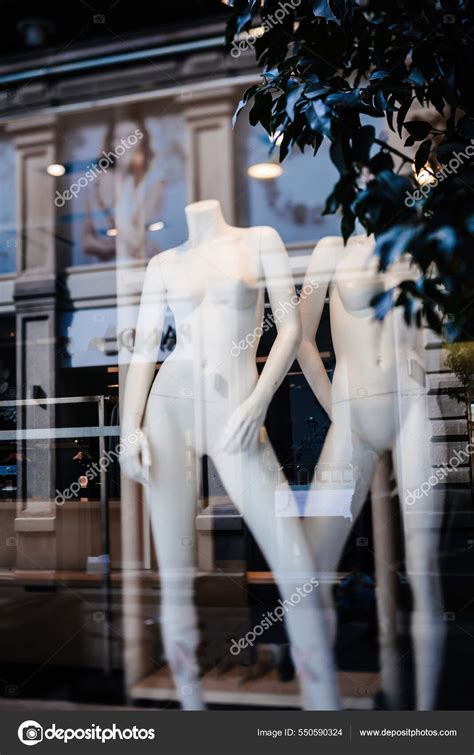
(210, 146)
(35, 295)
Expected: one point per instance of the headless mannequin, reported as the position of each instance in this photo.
(208, 400)
(377, 403)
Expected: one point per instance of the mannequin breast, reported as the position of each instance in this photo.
(366, 347)
(357, 277)
(224, 271)
(216, 299)
(379, 369)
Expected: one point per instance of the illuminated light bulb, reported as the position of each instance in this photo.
(112, 232)
(56, 170)
(425, 175)
(158, 226)
(265, 171)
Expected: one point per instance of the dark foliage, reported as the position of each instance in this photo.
(328, 63)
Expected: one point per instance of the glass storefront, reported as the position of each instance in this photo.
(8, 232)
(90, 193)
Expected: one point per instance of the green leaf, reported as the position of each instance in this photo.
(285, 145)
(379, 75)
(422, 155)
(347, 225)
(247, 96)
(321, 8)
(418, 129)
(416, 77)
(402, 114)
(243, 20)
(292, 100)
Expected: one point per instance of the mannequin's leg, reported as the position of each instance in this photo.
(251, 483)
(328, 535)
(172, 494)
(421, 522)
(386, 540)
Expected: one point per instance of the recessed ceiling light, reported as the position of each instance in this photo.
(158, 226)
(56, 169)
(265, 171)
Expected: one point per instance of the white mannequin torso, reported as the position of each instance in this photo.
(371, 355)
(214, 290)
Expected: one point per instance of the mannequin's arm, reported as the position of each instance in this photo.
(283, 302)
(147, 343)
(318, 277)
(242, 430)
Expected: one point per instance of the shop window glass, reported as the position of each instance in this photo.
(8, 238)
